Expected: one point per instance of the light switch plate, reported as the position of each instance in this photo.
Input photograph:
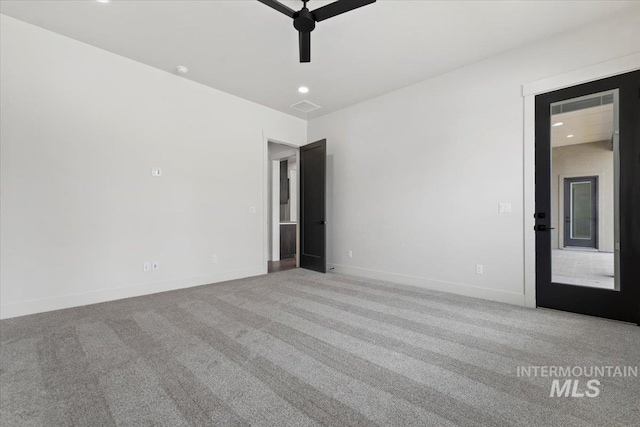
(155, 265)
(156, 172)
(504, 207)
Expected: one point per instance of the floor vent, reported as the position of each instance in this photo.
(305, 106)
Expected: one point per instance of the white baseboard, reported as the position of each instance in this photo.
(67, 301)
(436, 285)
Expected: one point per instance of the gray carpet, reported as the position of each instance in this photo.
(298, 348)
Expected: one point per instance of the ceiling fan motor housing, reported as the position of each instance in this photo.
(304, 21)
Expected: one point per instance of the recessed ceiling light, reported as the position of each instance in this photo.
(558, 124)
(569, 136)
(102, 1)
(303, 89)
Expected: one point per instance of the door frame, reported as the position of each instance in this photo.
(266, 202)
(529, 91)
(623, 300)
(595, 207)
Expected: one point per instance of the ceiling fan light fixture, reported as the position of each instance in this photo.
(304, 20)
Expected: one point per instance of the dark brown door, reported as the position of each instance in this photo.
(312, 206)
(604, 280)
(287, 241)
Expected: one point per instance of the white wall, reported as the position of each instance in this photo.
(415, 176)
(80, 212)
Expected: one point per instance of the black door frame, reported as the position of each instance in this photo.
(586, 243)
(623, 304)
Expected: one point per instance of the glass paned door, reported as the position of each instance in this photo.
(587, 252)
(581, 213)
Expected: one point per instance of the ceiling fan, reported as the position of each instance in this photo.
(305, 20)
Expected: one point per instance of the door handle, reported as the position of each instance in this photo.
(323, 222)
(543, 227)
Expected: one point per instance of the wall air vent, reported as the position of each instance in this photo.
(582, 104)
(305, 106)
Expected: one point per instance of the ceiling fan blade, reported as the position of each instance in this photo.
(305, 47)
(338, 7)
(279, 7)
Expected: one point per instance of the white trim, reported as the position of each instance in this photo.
(529, 90)
(105, 295)
(529, 202)
(594, 72)
(274, 207)
(437, 285)
(265, 204)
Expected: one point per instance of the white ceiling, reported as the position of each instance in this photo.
(587, 125)
(248, 49)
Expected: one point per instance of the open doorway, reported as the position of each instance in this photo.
(283, 207)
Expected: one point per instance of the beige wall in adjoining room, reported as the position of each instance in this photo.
(592, 159)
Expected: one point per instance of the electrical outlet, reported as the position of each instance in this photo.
(155, 265)
(156, 172)
(214, 259)
(479, 269)
(146, 267)
(350, 253)
(252, 209)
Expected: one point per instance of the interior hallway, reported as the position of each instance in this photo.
(583, 268)
(282, 265)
